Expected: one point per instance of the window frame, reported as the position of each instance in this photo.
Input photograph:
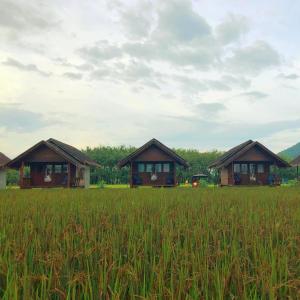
(65, 169)
(243, 170)
(259, 169)
(158, 168)
(239, 168)
(164, 169)
(143, 168)
(148, 168)
(55, 170)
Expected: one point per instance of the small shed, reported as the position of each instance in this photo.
(296, 163)
(53, 163)
(196, 179)
(247, 164)
(153, 164)
(3, 161)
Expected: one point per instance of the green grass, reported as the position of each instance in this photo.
(222, 243)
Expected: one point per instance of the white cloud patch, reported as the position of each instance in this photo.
(253, 59)
(20, 120)
(291, 76)
(254, 95)
(73, 76)
(25, 67)
(232, 29)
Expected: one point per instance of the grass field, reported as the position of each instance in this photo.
(213, 243)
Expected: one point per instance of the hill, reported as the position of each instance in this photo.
(291, 152)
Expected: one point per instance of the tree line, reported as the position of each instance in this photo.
(109, 173)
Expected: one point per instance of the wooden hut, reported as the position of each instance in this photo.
(248, 164)
(296, 163)
(3, 161)
(52, 163)
(153, 164)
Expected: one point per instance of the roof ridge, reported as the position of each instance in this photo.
(158, 144)
(231, 152)
(237, 151)
(78, 155)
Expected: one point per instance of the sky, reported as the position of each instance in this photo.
(203, 74)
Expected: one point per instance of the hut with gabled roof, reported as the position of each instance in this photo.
(3, 161)
(247, 164)
(53, 163)
(153, 164)
(296, 163)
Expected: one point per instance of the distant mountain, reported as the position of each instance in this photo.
(291, 152)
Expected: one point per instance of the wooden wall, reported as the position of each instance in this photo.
(37, 175)
(255, 154)
(153, 154)
(43, 154)
(261, 178)
(162, 177)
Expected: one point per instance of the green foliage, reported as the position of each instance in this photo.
(108, 157)
(12, 177)
(101, 184)
(198, 163)
(181, 243)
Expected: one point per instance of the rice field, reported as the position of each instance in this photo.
(229, 243)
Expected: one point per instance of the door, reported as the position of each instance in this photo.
(224, 176)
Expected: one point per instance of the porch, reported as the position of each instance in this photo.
(251, 173)
(52, 174)
(153, 173)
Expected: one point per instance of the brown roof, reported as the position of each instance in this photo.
(160, 146)
(234, 153)
(295, 162)
(69, 153)
(3, 160)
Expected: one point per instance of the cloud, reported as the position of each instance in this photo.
(136, 21)
(292, 76)
(236, 81)
(210, 109)
(180, 36)
(101, 51)
(23, 67)
(22, 19)
(178, 22)
(73, 76)
(254, 95)
(232, 29)
(253, 59)
(192, 85)
(21, 120)
(21, 15)
(132, 72)
(219, 134)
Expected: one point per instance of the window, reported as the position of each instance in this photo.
(166, 168)
(260, 168)
(57, 169)
(237, 168)
(141, 168)
(157, 168)
(48, 169)
(252, 169)
(48, 173)
(149, 168)
(65, 168)
(244, 168)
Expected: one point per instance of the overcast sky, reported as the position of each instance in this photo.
(202, 74)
